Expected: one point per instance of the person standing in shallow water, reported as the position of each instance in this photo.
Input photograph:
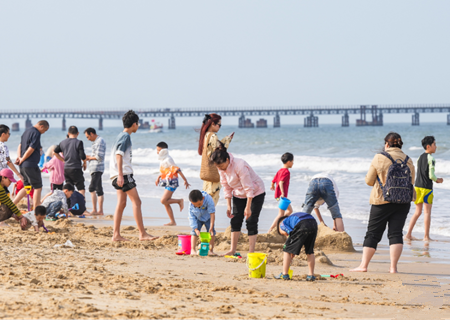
(382, 212)
(208, 142)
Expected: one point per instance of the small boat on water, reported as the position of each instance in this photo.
(156, 127)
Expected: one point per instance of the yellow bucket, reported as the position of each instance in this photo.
(256, 263)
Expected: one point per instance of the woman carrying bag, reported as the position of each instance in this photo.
(391, 174)
(208, 142)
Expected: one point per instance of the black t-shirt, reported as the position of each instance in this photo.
(77, 198)
(73, 151)
(31, 138)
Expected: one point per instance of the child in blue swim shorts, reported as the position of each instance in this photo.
(168, 179)
(201, 213)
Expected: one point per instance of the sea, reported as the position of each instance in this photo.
(343, 152)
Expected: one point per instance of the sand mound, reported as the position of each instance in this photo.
(334, 241)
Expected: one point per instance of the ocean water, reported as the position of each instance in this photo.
(345, 153)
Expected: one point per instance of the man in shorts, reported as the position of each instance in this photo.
(28, 157)
(121, 172)
(74, 159)
(96, 167)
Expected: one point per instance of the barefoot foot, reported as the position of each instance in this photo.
(393, 270)
(181, 204)
(359, 269)
(147, 237)
(229, 253)
(119, 238)
(171, 224)
(427, 239)
(212, 253)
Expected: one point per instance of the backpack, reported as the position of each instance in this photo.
(398, 187)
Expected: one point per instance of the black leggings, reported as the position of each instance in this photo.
(238, 214)
(392, 214)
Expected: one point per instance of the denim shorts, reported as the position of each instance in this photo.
(200, 224)
(322, 188)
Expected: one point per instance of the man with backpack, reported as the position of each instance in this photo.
(391, 174)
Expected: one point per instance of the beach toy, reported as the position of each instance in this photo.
(75, 207)
(46, 230)
(291, 273)
(205, 237)
(45, 170)
(256, 263)
(204, 249)
(284, 203)
(184, 244)
(28, 190)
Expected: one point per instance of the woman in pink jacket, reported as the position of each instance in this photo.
(56, 168)
(242, 185)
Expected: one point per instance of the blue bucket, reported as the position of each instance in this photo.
(284, 203)
(204, 249)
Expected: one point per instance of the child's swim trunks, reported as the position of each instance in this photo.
(423, 196)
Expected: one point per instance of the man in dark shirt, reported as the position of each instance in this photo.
(74, 159)
(28, 157)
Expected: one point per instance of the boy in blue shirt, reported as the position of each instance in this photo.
(201, 213)
(301, 230)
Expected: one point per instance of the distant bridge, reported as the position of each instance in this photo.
(311, 120)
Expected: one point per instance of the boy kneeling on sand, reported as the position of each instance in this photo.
(35, 218)
(56, 201)
(301, 230)
(201, 213)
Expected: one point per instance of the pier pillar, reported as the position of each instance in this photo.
(100, 123)
(64, 123)
(448, 119)
(276, 121)
(241, 121)
(261, 123)
(345, 120)
(172, 122)
(311, 121)
(416, 119)
(28, 123)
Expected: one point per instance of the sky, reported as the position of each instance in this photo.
(103, 55)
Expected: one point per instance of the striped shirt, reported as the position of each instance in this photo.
(4, 199)
(98, 152)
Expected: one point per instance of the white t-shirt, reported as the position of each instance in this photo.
(32, 218)
(4, 155)
(123, 147)
(336, 190)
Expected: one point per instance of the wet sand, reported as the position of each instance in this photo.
(100, 279)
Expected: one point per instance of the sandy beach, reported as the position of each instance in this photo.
(100, 279)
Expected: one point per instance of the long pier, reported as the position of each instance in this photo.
(311, 120)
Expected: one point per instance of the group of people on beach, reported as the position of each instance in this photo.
(391, 174)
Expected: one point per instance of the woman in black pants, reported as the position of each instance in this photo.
(382, 212)
(242, 185)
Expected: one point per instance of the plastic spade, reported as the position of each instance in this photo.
(28, 190)
(75, 207)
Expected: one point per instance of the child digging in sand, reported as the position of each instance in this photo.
(35, 218)
(301, 230)
(56, 201)
(201, 213)
(168, 179)
(281, 180)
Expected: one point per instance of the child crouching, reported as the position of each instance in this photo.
(35, 218)
(201, 213)
(301, 230)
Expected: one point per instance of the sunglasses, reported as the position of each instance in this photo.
(220, 126)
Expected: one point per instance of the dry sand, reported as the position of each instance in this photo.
(101, 279)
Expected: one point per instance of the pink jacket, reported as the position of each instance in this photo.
(240, 180)
(57, 170)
